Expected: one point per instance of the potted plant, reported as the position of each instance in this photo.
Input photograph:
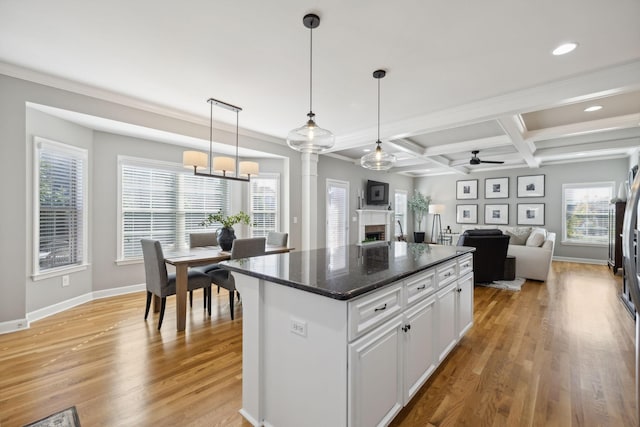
(226, 234)
(419, 205)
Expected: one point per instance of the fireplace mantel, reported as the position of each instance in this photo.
(375, 217)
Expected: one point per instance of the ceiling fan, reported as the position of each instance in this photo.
(476, 161)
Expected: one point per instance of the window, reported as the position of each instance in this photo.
(337, 211)
(165, 202)
(263, 202)
(401, 212)
(60, 220)
(586, 213)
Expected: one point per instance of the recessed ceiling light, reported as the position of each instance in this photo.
(593, 108)
(565, 48)
(366, 150)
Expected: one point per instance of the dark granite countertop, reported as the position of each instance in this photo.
(348, 271)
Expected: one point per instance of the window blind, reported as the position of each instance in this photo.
(337, 214)
(164, 203)
(61, 186)
(400, 212)
(586, 212)
(264, 204)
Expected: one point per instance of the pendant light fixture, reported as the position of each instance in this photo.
(220, 164)
(378, 160)
(310, 137)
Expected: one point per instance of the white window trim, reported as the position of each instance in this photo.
(347, 185)
(38, 143)
(564, 239)
(276, 176)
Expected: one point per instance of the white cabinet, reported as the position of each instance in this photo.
(465, 304)
(375, 375)
(419, 339)
(446, 324)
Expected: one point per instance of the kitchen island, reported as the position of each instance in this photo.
(347, 336)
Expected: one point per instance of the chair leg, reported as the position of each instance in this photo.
(162, 307)
(231, 303)
(204, 296)
(209, 292)
(190, 298)
(146, 311)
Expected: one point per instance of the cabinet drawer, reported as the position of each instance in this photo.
(465, 265)
(446, 273)
(371, 310)
(419, 285)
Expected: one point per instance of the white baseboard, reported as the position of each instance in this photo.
(580, 260)
(19, 324)
(58, 307)
(249, 418)
(13, 325)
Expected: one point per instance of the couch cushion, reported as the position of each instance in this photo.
(537, 237)
(517, 239)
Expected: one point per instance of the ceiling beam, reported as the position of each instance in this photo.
(467, 146)
(513, 126)
(591, 126)
(619, 146)
(417, 151)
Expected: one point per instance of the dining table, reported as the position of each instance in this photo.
(193, 257)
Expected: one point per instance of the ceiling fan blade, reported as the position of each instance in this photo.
(492, 161)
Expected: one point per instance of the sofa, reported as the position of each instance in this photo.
(531, 246)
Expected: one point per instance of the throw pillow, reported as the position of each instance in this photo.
(516, 239)
(536, 238)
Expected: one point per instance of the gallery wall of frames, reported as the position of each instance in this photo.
(528, 212)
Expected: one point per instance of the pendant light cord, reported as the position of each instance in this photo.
(310, 72)
(378, 112)
(210, 137)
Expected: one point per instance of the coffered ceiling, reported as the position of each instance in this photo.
(460, 77)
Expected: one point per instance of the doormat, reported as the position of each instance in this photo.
(66, 418)
(509, 285)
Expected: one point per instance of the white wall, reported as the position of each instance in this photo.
(442, 190)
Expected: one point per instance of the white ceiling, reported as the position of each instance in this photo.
(461, 76)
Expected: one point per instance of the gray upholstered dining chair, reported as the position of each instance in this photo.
(277, 239)
(196, 240)
(162, 284)
(242, 248)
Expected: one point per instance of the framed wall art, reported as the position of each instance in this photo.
(531, 186)
(496, 214)
(467, 214)
(467, 189)
(496, 188)
(530, 213)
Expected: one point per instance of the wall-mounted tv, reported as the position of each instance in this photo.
(377, 193)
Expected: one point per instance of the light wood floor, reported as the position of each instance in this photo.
(559, 353)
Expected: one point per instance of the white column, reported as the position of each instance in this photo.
(309, 224)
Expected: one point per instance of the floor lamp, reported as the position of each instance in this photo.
(436, 210)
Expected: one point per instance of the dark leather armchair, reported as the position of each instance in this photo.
(491, 251)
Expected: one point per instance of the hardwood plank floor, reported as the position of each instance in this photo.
(559, 353)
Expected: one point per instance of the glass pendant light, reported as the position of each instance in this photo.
(378, 160)
(310, 137)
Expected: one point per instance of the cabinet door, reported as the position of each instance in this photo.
(419, 352)
(375, 375)
(465, 304)
(446, 302)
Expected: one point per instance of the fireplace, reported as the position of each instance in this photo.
(375, 224)
(375, 232)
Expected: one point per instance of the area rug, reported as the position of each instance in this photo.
(509, 285)
(66, 418)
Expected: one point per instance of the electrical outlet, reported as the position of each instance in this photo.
(65, 280)
(295, 219)
(298, 327)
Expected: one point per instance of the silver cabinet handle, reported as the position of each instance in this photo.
(419, 288)
(448, 274)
